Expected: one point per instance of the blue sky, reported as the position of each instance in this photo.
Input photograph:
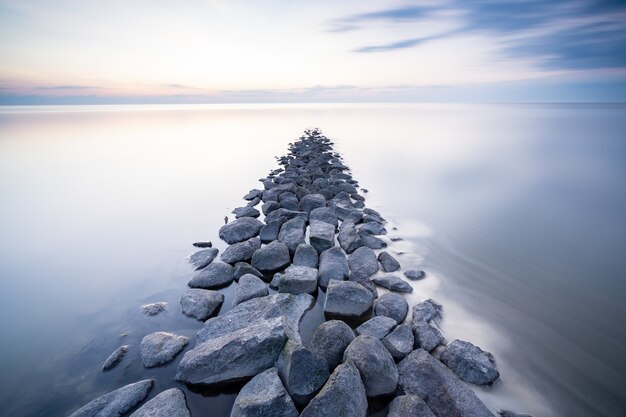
(197, 51)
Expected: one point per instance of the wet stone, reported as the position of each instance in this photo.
(347, 299)
(348, 238)
(378, 327)
(250, 286)
(203, 257)
(200, 303)
(372, 242)
(169, 403)
(388, 262)
(243, 268)
(470, 363)
(240, 230)
(264, 395)
(392, 305)
(269, 207)
(216, 275)
(409, 406)
(321, 235)
(298, 279)
(269, 232)
(115, 357)
(414, 274)
(246, 212)
(272, 257)
(333, 264)
(241, 251)
(393, 283)
(116, 403)
(363, 263)
(330, 340)
(161, 347)
(305, 255)
(324, 214)
(373, 228)
(292, 233)
(375, 364)
(312, 201)
(400, 341)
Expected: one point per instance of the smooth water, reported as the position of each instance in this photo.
(516, 212)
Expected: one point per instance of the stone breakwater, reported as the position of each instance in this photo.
(317, 238)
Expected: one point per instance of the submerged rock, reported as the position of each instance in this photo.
(169, 403)
(240, 230)
(388, 262)
(118, 402)
(264, 395)
(249, 287)
(362, 263)
(392, 305)
(470, 363)
(115, 357)
(375, 364)
(400, 341)
(215, 275)
(333, 265)
(200, 303)
(153, 309)
(305, 255)
(161, 347)
(241, 251)
(330, 340)
(347, 299)
(298, 280)
(414, 274)
(393, 283)
(378, 327)
(409, 406)
(302, 372)
(272, 257)
(203, 257)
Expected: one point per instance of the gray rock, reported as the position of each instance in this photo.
(269, 232)
(393, 283)
(292, 233)
(343, 395)
(375, 364)
(246, 212)
(330, 340)
(116, 403)
(200, 303)
(153, 309)
(427, 335)
(298, 280)
(269, 207)
(507, 413)
(215, 275)
(115, 357)
(161, 347)
(333, 265)
(272, 257)
(367, 283)
(321, 235)
(240, 230)
(372, 242)
(470, 363)
(344, 214)
(388, 262)
(428, 310)
(348, 238)
(347, 299)
(206, 244)
(253, 202)
(414, 274)
(290, 202)
(409, 406)
(378, 327)
(169, 403)
(305, 255)
(249, 287)
(264, 395)
(373, 228)
(362, 263)
(302, 372)
(324, 214)
(241, 251)
(400, 341)
(392, 305)
(282, 215)
(253, 194)
(312, 201)
(243, 268)
(203, 257)
(446, 395)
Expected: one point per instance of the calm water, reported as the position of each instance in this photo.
(516, 212)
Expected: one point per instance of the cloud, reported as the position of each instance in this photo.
(66, 87)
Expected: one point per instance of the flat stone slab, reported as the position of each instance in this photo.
(298, 280)
(393, 283)
(470, 363)
(169, 403)
(160, 348)
(264, 395)
(250, 286)
(271, 257)
(200, 303)
(392, 305)
(118, 402)
(374, 362)
(347, 299)
(203, 257)
(216, 275)
(115, 357)
(240, 230)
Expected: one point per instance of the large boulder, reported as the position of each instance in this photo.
(240, 230)
(264, 395)
(409, 406)
(272, 257)
(393, 283)
(169, 403)
(200, 303)
(392, 305)
(292, 233)
(203, 257)
(330, 340)
(333, 265)
(298, 280)
(306, 255)
(347, 299)
(470, 363)
(217, 274)
(362, 263)
(118, 402)
(321, 235)
(400, 341)
(302, 372)
(160, 348)
(378, 327)
(388, 262)
(446, 395)
(374, 362)
(343, 395)
(241, 251)
(250, 286)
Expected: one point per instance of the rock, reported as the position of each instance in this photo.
(159, 348)
(240, 230)
(169, 403)
(298, 280)
(215, 275)
(272, 257)
(347, 299)
(115, 357)
(392, 305)
(348, 238)
(373, 228)
(292, 233)
(247, 211)
(344, 214)
(324, 214)
(393, 283)
(153, 309)
(203, 257)
(378, 327)
(388, 262)
(312, 201)
(200, 303)
(400, 341)
(330, 340)
(305, 255)
(253, 202)
(414, 274)
(470, 363)
(372, 242)
(367, 283)
(241, 251)
(302, 372)
(427, 335)
(236, 355)
(507, 413)
(321, 235)
(282, 215)
(253, 194)
(264, 395)
(118, 402)
(375, 364)
(289, 203)
(409, 406)
(206, 244)
(269, 232)
(269, 207)
(446, 395)
(249, 287)
(333, 265)
(362, 263)
(243, 268)
(342, 395)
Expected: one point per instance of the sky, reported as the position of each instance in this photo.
(211, 51)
